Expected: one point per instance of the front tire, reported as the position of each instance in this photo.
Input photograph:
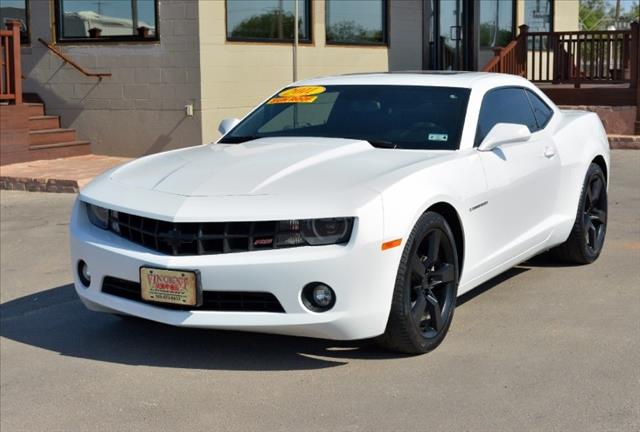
(590, 227)
(426, 288)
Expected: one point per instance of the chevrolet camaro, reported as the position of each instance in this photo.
(346, 207)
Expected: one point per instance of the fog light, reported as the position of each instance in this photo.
(84, 274)
(318, 297)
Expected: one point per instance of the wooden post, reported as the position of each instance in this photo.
(522, 49)
(16, 62)
(634, 54)
(578, 71)
(634, 66)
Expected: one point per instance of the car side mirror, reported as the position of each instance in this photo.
(504, 133)
(227, 124)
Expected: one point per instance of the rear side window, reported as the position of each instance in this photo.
(504, 105)
(541, 110)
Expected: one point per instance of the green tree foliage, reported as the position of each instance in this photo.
(633, 14)
(274, 24)
(350, 31)
(601, 14)
(487, 36)
(592, 13)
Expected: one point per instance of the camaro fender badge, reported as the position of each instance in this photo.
(482, 204)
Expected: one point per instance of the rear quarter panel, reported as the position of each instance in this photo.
(580, 138)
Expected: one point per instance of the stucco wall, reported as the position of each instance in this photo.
(405, 34)
(566, 15)
(140, 109)
(235, 76)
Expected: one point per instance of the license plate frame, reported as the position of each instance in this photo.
(188, 297)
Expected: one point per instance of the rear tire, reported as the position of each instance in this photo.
(589, 229)
(426, 287)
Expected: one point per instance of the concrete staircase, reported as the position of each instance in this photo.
(28, 134)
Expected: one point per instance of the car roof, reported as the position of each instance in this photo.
(421, 78)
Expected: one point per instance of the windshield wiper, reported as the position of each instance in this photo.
(381, 143)
(238, 139)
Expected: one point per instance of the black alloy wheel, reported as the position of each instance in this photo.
(595, 214)
(424, 298)
(586, 240)
(432, 282)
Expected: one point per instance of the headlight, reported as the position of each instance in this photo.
(314, 232)
(99, 216)
(326, 231)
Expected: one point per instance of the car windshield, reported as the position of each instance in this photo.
(387, 116)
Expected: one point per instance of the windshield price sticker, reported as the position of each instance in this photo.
(292, 99)
(304, 94)
(303, 91)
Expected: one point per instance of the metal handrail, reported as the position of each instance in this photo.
(66, 59)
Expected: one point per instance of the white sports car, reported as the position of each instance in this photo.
(346, 207)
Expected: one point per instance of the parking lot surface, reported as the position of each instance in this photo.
(541, 348)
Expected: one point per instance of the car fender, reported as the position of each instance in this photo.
(457, 180)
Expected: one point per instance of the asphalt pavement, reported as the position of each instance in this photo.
(544, 347)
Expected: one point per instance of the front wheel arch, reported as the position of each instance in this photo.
(599, 160)
(450, 214)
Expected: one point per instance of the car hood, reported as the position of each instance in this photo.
(267, 166)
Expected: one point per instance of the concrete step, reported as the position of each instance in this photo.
(60, 150)
(35, 109)
(51, 136)
(44, 122)
(58, 145)
(628, 142)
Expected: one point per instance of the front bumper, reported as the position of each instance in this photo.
(361, 275)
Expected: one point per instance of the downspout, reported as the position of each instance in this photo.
(134, 16)
(295, 41)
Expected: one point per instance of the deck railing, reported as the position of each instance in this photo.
(10, 64)
(512, 58)
(579, 57)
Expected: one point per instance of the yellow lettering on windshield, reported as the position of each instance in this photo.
(303, 91)
(292, 99)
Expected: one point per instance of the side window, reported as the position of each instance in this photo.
(541, 110)
(505, 105)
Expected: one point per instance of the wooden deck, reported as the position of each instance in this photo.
(577, 68)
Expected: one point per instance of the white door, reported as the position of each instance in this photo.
(522, 179)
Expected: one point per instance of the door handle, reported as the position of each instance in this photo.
(549, 152)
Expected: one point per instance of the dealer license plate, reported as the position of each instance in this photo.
(169, 286)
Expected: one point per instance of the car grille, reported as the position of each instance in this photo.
(228, 301)
(196, 238)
